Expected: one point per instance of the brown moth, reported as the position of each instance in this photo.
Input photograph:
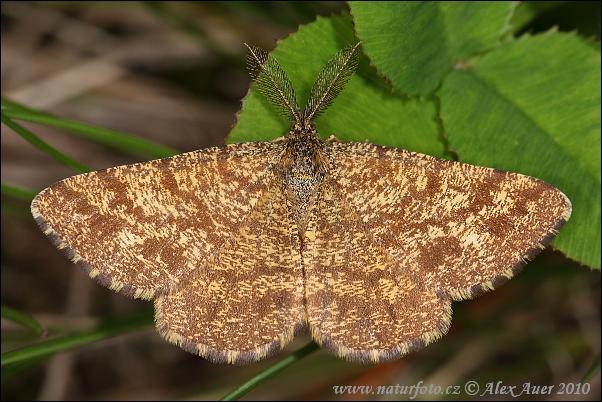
(243, 246)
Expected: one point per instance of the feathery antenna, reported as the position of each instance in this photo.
(273, 83)
(331, 81)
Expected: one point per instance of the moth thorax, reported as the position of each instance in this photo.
(303, 156)
(303, 167)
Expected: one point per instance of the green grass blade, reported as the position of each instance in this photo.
(111, 138)
(17, 192)
(41, 145)
(271, 371)
(106, 330)
(21, 318)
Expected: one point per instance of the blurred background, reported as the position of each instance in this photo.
(174, 72)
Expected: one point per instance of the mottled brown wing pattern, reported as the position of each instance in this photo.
(249, 304)
(142, 229)
(238, 257)
(360, 305)
(457, 229)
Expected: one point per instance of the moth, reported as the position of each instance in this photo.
(243, 246)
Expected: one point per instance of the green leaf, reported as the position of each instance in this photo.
(527, 11)
(414, 44)
(554, 84)
(533, 106)
(365, 109)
